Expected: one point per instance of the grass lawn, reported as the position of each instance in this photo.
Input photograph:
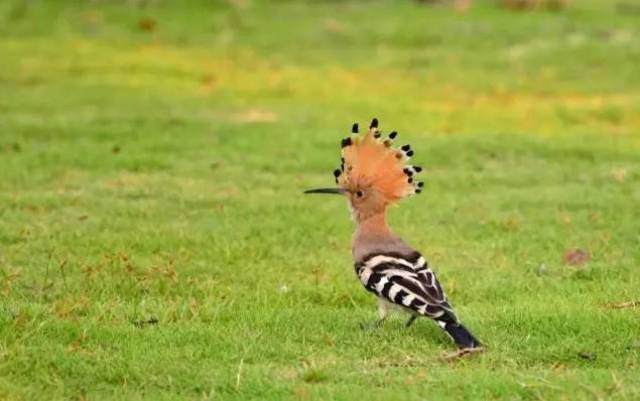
(155, 244)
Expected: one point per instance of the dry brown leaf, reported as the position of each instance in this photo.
(208, 81)
(147, 24)
(553, 5)
(462, 5)
(12, 147)
(622, 305)
(519, 4)
(576, 257)
(91, 17)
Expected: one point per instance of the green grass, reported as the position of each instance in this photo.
(154, 242)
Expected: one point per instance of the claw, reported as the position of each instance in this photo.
(462, 353)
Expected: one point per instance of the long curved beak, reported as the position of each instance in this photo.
(334, 191)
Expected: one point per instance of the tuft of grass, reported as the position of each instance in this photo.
(315, 376)
(154, 242)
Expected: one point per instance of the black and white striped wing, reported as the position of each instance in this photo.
(407, 282)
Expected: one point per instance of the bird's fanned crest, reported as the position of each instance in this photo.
(372, 162)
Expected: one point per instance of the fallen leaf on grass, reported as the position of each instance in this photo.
(622, 305)
(519, 4)
(208, 82)
(91, 17)
(12, 147)
(551, 5)
(461, 5)
(147, 25)
(576, 257)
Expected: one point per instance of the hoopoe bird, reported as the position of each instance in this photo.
(373, 175)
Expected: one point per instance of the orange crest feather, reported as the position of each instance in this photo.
(370, 162)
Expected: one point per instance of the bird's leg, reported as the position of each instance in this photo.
(411, 320)
(383, 308)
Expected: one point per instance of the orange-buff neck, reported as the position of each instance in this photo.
(373, 227)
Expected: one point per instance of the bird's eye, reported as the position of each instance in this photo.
(359, 194)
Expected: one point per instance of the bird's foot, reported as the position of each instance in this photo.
(464, 352)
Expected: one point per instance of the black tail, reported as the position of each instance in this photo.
(460, 335)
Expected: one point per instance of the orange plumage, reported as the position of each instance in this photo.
(372, 163)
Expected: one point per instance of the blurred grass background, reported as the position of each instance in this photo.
(154, 243)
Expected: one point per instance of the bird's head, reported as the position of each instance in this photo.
(372, 173)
